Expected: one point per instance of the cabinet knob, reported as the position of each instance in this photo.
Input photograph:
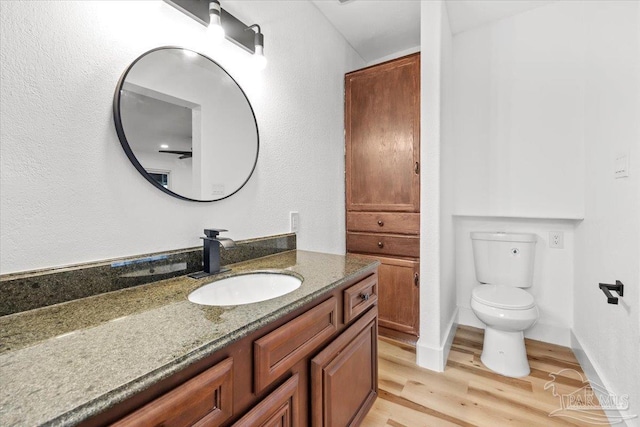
(380, 245)
(380, 222)
(364, 297)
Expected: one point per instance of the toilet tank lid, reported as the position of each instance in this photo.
(504, 237)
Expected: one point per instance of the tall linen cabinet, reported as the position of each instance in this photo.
(382, 137)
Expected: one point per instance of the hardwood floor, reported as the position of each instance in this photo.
(468, 394)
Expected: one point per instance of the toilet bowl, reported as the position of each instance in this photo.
(506, 311)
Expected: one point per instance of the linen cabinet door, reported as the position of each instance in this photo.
(344, 376)
(382, 135)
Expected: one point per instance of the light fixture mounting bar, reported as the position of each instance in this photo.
(234, 28)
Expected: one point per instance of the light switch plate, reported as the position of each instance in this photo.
(621, 169)
(294, 221)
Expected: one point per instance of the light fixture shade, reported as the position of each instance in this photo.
(258, 56)
(259, 59)
(215, 30)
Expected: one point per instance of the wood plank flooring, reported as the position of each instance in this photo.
(469, 394)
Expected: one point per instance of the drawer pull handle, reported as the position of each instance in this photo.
(364, 297)
(380, 245)
(380, 222)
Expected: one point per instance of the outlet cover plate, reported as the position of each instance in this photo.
(556, 239)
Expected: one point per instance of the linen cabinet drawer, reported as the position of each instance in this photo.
(384, 244)
(275, 353)
(206, 399)
(384, 222)
(359, 297)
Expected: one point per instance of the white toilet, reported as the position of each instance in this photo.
(504, 265)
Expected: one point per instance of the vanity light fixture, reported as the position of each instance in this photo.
(258, 55)
(222, 24)
(215, 30)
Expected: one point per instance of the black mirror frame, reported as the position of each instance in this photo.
(127, 148)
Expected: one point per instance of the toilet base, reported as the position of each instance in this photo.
(504, 352)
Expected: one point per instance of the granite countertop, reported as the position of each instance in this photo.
(64, 363)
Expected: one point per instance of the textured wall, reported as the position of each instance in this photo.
(608, 241)
(545, 102)
(519, 94)
(69, 193)
(448, 171)
(429, 352)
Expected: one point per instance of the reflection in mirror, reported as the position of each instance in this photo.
(186, 125)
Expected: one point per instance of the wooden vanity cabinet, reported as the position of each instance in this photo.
(382, 153)
(265, 379)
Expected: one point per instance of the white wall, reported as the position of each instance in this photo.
(448, 172)
(428, 351)
(437, 274)
(544, 103)
(519, 96)
(519, 127)
(608, 241)
(69, 193)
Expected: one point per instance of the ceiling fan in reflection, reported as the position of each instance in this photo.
(182, 154)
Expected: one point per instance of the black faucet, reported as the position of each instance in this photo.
(211, 255)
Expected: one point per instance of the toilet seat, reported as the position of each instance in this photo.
(501, 296)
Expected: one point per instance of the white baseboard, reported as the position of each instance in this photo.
(596, 378)
(468, 318)
(436, 358)
(540, 331)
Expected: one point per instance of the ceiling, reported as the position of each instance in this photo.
(376, 29)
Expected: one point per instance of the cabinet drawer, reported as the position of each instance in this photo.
(280, 408)
(206, 399)
(384, 222)
(278, 351)
(359, 297)
(384, 244)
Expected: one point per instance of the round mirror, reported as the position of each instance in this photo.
(186, 125)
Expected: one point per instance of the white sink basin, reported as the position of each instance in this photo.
(245, 289)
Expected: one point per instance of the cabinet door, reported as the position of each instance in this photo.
(279, 409)
(382, 136)
(399, 294)
(344, 376)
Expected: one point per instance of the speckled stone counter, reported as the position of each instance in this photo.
(62, 364)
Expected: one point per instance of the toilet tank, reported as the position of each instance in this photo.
(504, 258)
